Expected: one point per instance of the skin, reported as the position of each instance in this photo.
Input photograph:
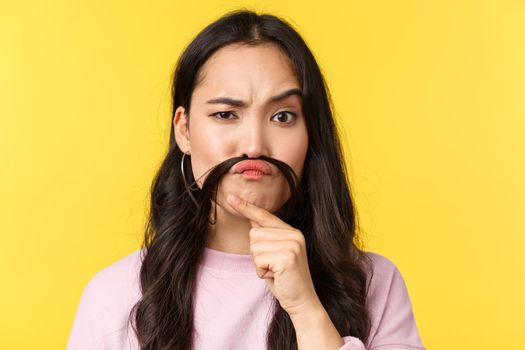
(245, 221)
(254, 75)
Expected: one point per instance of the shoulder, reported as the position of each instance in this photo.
(119, 269)
(384, 279)
(381, 269)
(381, 263)
(101, 320)
(389, 305)
(116, 284)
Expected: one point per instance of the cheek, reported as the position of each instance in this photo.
(208, 148)
(296, 153)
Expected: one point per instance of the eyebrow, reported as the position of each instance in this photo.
(240, 103)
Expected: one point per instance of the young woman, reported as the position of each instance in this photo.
(251, 240)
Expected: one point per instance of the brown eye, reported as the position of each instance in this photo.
(284, 117)
(223, 115)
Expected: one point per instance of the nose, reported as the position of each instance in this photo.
(253, 140)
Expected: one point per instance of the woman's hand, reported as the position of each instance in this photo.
(279, 254)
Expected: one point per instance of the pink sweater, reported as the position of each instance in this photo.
(232, 307)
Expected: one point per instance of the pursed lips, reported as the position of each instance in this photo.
(253, 167)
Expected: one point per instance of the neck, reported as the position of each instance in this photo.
(229, 234)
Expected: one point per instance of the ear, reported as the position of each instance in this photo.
(181, 129)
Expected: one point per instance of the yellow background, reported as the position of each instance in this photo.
(430, 96)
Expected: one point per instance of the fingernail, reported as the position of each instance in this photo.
(233, 199)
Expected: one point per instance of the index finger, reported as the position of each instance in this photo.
(255, 214)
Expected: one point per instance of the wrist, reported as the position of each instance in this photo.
(314, 329)
(309, 316)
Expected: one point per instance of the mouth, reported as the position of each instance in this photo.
(252, 169)
(252, 174)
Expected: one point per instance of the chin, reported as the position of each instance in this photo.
(268, 197)
(269, 204)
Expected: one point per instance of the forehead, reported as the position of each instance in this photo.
(247, 72)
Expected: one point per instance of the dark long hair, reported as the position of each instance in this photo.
(320, 205)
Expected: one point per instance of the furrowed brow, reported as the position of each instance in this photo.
(239, 103)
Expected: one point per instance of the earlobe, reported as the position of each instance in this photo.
(181, 129)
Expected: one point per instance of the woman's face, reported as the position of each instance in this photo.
(232, 114)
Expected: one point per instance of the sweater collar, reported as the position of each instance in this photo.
(219, 260)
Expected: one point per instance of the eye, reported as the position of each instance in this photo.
(285, 117)
(223, 115)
